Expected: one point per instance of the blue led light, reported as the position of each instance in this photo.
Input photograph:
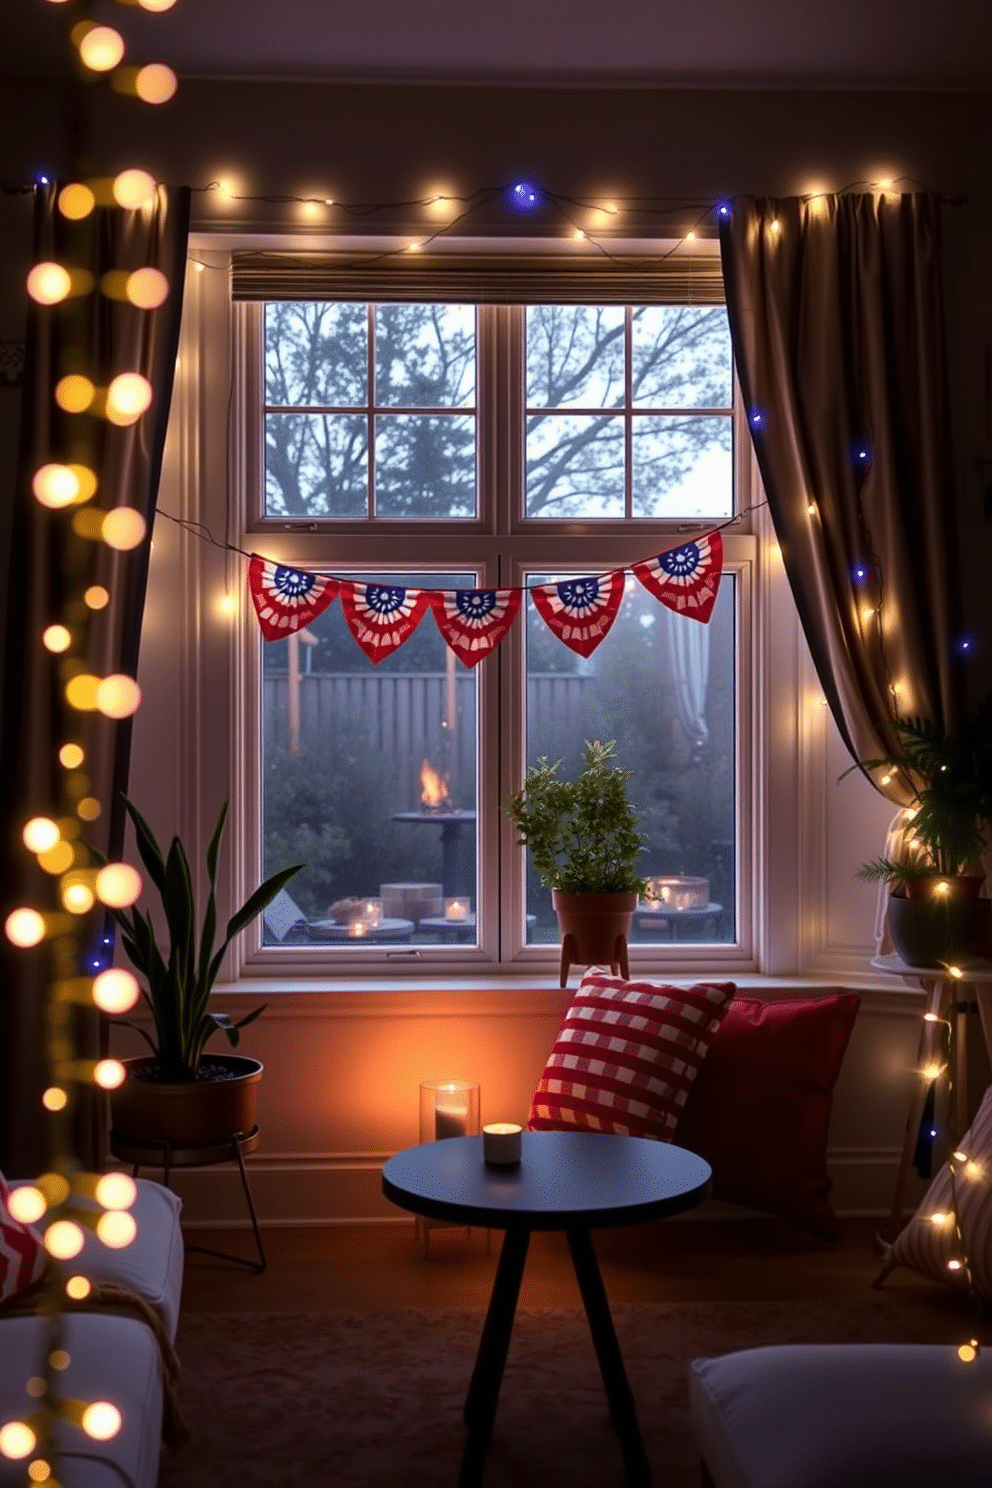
(860, 572)
(724, 209)
(757, 418)
(964, 645)
(43, 178)
(525, 197)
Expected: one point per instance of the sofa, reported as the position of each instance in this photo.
(858, 1415)
(119, 1351)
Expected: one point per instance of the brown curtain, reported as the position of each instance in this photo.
(835, 308)
(48, 569)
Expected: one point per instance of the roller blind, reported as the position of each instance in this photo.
(515, 279)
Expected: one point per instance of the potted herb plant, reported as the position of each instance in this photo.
(176, 1094)
(585, 843)
(936, 914)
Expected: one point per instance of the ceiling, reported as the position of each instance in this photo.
(627, 43)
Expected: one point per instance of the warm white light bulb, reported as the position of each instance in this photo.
(78, 1287)
(133, 188)
(118, 885)
(123, 528)
(128, 396)
(118, 696)
(101, 48)
(78, 897)
(56, 638)
(48, 283)
(54, 1098)
(24, 928)
(17, 1440)
(156, 5)
(109, 1074)
(116, 1191)
(101, 1420)
(147, 288)
(63, 1239)
(40, 834)
(156, 83)
(55, 486)
(26, 1204)
(116, 1229)
(115, 990)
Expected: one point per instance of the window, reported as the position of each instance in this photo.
(424, 443)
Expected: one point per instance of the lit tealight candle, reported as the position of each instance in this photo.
(456, 909)
(501, 1143)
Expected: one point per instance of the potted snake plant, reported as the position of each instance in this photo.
(585, 842)
(179, 1094)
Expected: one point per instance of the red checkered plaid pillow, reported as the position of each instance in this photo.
(626, 1055)
(22, 1255)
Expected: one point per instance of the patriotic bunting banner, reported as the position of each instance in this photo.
(286, 599)
(686, 578)
(474, 621)
(382, 616)
(581, 611)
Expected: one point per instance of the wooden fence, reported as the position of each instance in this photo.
(402, 715)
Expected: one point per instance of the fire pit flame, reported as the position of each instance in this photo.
(433, 787)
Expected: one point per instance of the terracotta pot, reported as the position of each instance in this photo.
(194, 1113)
(940, 932)
(594, 929)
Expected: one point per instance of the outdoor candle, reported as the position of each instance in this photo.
(455, 909)
(501, 1143)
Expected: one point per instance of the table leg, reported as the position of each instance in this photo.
(483, 1391)
(618, 1392)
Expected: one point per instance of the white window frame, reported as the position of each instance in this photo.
(201, 680)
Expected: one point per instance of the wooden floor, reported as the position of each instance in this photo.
(367, 1266)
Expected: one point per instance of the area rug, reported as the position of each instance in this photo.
(374, 1399)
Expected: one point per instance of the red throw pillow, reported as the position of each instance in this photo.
(22, 1254)
(626, 1055)
(759, 1113)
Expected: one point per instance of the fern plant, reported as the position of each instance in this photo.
(583, 834)
(952, 778)
(179, 982)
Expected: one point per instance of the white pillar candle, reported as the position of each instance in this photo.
(450, 1121)
(501, 1143)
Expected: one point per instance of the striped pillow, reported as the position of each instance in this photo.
(626, 1055)
(22, 1255)
(964, 1185)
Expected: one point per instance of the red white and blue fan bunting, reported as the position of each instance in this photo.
(474, 621)
(382, 616)
(580, 611)
(286, 599)
(686, 578)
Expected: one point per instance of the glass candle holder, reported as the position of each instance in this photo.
(448, 1108)
(458, 908)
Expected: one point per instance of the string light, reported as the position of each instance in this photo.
(128, 396)
(48, 283)
(123, 528)
(133, 189)
(156, 83)
(147, 288)
(115, 990)
(100, 47)
(76, 201)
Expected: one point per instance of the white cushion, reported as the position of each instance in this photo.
(844, 1416)
(113, 1358)
(152, 1265)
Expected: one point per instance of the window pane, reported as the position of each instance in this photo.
(348, 754)
(575, 356)
(663, 687)
(575, 465)
(683, 467)
(316, 355)
(681, 357)
(316, 465)
(425, 356)
(425, 465)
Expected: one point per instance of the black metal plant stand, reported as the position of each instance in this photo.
(164, 1155)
